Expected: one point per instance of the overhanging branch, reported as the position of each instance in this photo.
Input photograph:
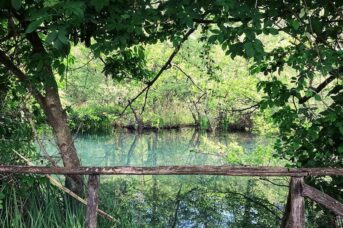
(254, 107)
(20, 75)
(188, 76)
(333, 75)
(166, 66)
(207, 21)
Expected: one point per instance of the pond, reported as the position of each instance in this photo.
(184, 201)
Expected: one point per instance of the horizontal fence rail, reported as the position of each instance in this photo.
(177, 170)
(294, 214)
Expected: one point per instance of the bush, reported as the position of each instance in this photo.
(90, 122)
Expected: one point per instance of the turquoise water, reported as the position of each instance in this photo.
(182, 201)
(185, 147)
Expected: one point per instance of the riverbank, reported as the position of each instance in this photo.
(102, 124)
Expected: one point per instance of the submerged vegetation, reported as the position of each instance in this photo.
(137, 75)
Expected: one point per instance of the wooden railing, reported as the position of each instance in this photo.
(294, 215)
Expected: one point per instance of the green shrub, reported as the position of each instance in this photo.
(90, 122)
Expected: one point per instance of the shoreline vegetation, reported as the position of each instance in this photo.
(107, 126)
(98, 123)
(272, 69)
(233, 128)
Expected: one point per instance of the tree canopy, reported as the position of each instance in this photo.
(36, 37)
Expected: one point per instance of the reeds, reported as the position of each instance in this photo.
(45, 206)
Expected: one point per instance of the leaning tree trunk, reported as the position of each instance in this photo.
(57, 119)
(51, 104)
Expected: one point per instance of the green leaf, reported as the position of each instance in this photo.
(75, 8)
(212, 39)
(61, 70)
(58, 44)
(99, 4)
(309, 93)
(62, 37)
(125, 16)
(34, 25)
(317, 97)
(295, 24)
(317, 25)
(341, 130)
(336, 89)
(249, 49)
(340, 149)
(258, 46)
(51, 37)
(16, 4)
(273, 31)
(249, 34)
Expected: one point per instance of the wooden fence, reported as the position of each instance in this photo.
(294, 215)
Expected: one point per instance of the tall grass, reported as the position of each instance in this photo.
(45, 206)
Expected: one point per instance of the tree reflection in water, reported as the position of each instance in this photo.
(193, 201)
(182, 201)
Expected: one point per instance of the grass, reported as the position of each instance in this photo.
(44, 207)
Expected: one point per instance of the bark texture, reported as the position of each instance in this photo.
(323, 199)
(92, 201)
(57, 119)
(297, 214)
(48, 99)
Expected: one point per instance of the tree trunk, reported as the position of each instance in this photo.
(132, 149)
(57, 119)
(51, 104)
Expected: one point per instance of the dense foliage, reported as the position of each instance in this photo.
(299, 73)
(183, 96)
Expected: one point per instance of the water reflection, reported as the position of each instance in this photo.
(185, 147)
(192, 201)
(180, 201)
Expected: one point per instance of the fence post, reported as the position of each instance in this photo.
(297, 215)
(286, 214)
(92, 201)
(294, 214)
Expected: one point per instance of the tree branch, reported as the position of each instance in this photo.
(257, 201)
(273, 183)
(188, 76)
(145, 100)
(10, 66)
(37, 47)
(207, 21)
(333, 75)
(135, 114)
(163, 68)
(255, 106)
